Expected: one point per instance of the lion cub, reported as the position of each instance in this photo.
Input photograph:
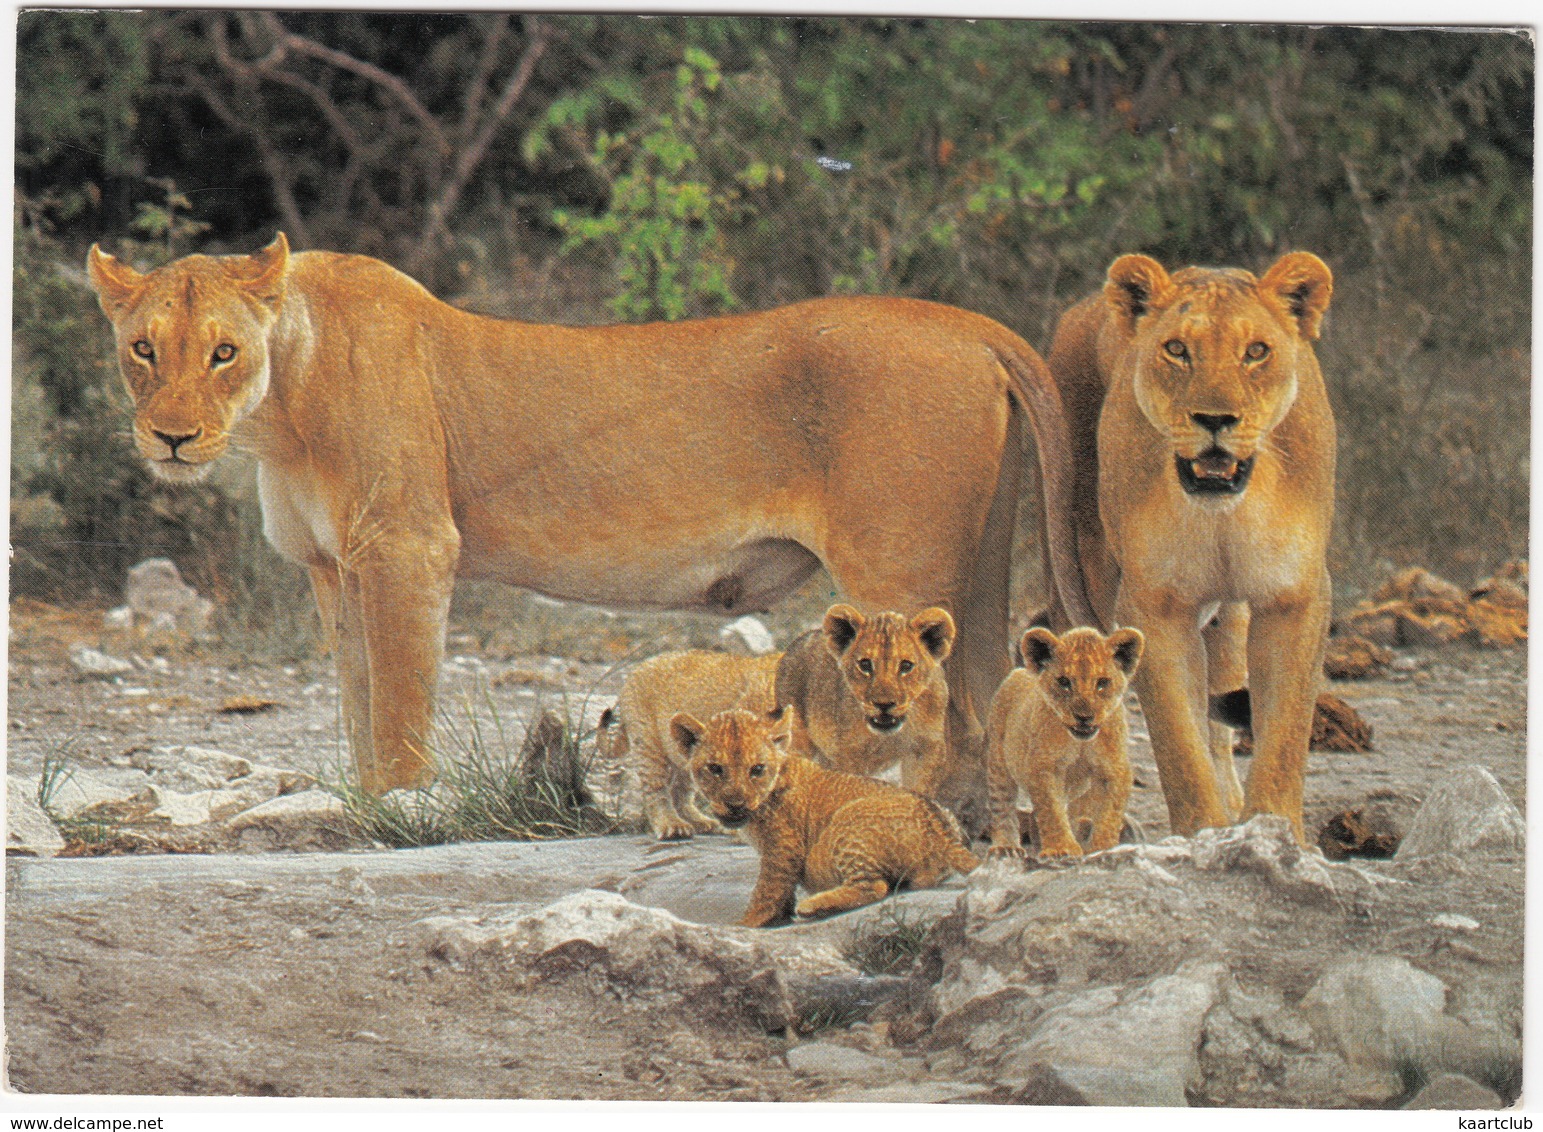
(701, 682)
(1057, 728)
(849, 840)
(868, 693)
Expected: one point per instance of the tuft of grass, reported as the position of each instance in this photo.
(495, 783)
(889, 944)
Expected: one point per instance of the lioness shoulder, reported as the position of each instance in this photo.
(700, 682)
(847, 839)
(870, 692)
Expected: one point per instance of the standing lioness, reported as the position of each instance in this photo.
(711, 464)
(1205, 520)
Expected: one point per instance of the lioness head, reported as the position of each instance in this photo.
(1216, 356)
(193, 348)
(886, 660)
(1082, 674)
(735, 758)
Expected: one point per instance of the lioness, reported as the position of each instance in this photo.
(1057, 729)
(1208, 508)
(849, 840)
(401, 442)
(869, 692)
(702, 683)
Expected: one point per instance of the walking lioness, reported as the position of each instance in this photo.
(1205, 519)
(849, 840)
(710, 464)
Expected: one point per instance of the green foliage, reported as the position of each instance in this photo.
(662, 223)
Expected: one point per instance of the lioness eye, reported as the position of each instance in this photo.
(865, 666)
(1175, 349)
(1256, 351)
(143, 349)
(715, 769)
(757, 770)
(1063, 682)
(906, 666)
(224, 352)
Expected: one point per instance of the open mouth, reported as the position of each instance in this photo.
(885, 723)
(736, 817)
(1213, 472)
(1084, 730)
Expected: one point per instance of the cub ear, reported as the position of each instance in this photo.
(842, 624)
(935, 629)
(686, 731)
(115, 282)
(1126, 644)
(1038, 648)
(1134, 284)
(1302, 284)
(269, 271)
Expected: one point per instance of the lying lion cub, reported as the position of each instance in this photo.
(868, 693)
(849, 840)
(1057, 729)
(697, 681)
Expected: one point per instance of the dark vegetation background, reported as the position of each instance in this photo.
(590, 168)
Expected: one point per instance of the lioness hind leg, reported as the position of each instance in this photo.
(844, 897)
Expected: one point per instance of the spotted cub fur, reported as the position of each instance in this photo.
(848, 840)
(700, 682)
(870, 692)
(1057, 729)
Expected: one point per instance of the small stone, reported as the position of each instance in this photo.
(289, 811)
(827, 1059)
(1265, 845)
(747, 635)
(1453, 922)
(79, 791)
(1466, 813)
(29, 832)
(180, 809)
(95, 663)
(1375, 1009)
(163, 602)
(1451, 1091)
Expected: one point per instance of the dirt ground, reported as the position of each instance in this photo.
(252, 960)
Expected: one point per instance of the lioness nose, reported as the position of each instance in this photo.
(172, 441)
(1214, 422)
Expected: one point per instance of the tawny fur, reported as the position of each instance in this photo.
(1177, 381)
(1057, 731)
(701, 683)
(870, 692)
(702, 464)
(848, 840)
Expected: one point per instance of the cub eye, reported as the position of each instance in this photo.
(906, 666)
(1103, 684)
(1256, 351)
(1175, 349)
(144, 350)
(715, 769)
(1063, 683)
(865, 666)
(224, 352)
(758, 770)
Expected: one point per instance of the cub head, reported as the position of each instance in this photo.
(1082, 674)
(1216, 356)
(192, 347)
(886, 660)
(735, 758)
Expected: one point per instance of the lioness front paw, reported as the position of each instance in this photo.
(1059, 851)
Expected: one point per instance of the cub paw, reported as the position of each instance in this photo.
(673, 831)
(1006, 853)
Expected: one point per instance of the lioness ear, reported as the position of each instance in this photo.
(115, 282)
(842, 624)
(935, 629)
(1126, 645)
(1303, 284)
(686, 731)
(1135, 282)
(1038, 648)
(271, 267)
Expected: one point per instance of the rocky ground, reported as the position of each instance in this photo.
(1226, 970)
